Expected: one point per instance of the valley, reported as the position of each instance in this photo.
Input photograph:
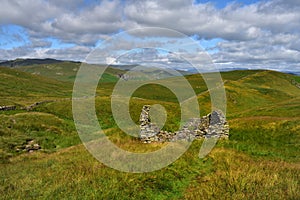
(260, 160)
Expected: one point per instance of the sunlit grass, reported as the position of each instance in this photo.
(259, 161)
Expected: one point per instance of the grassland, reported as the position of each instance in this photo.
(259, 161)
(66, 71)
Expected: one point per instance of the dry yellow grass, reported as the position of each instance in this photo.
(238, 176)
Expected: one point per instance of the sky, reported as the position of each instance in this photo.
(252, 34)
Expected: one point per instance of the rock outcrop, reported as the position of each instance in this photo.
(30, 147)
(212, 125)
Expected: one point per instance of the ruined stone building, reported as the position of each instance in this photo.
(212, 125)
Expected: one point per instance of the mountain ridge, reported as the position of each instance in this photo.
(21, 62)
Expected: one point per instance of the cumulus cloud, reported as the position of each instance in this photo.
(262, 33)
(27, 13)
(76, 53)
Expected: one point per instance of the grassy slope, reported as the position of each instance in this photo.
(18, 127)
(74, 174)
(260, 161)
(17, 87)
(258, 91)
(66, 71)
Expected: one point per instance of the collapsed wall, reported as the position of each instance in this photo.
(212, 125)
(6, 108)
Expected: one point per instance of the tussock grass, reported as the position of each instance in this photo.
(270, 137)
(259, 161)
(238, 176)
(47, 130)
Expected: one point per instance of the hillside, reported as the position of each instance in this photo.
(17, 87)
(57, 69)
(66, 70)
(259, 161)
(26, 62)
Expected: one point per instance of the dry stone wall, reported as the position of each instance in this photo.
(32, 106)
(212, 125)
(6, 108)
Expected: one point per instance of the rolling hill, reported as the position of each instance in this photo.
(22, 88)
(66, 70)
(26, 62)
(57, 69)
(259, 161)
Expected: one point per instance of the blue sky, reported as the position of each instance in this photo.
(12, 35)
(221, 4)
(241, 33)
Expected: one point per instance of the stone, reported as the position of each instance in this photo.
(31, 146)
(7, 108)
(212, 125)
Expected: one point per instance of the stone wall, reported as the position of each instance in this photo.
(294, 82)
(32, 106)
(212, 125)
(6, 108)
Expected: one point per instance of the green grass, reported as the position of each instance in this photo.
(76, 169)
(19, 88)
(238, 176)
(74, 174)
(297, 78)
(67, 71)
(271, 137)
(164, 93)
(49, 131)
(238, 74)
(259, 161)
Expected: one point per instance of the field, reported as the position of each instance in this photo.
(260, 160)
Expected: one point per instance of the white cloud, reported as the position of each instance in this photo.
(266, 33)
(27, 13)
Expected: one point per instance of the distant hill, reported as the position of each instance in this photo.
(233, 69)
(28, 62)
(245, 88)
(57, 69)
(297, 73)
(249, 93)
(21, 88)
(67, 70)
(156, 72)
(260, 92)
